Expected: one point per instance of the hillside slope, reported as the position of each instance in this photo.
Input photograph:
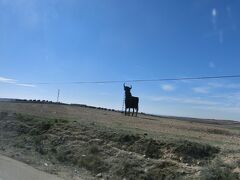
(77, 142)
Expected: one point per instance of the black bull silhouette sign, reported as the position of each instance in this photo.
(131, 102)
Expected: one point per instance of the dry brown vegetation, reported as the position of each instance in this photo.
(80, 142)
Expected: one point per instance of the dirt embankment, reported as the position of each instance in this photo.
(89, 151)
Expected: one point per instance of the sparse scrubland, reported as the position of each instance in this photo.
(86, 143)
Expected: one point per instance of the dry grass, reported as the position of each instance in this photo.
(189, 145)
(154, 126)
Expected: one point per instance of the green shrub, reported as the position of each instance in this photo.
(94, 149)
(153, 149)
(34, 132)
(188, 149)
(24, 118)
(218, 131)
(93, 163)
(45, 125)
(63, 155)
(130, 169)
(218, 170)
(128, 139)
(164, 170)
(3, 115)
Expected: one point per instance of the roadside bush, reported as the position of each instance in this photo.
(39, 125)
(93, 163)
(153, 149)
(94, 149)
(23, 128)
(128, 139)
(188, 149)
(164, 170)
(45, 125)
(218, 170)
(24, 118)
(218, 131)
(3, 115)
(63, 155)
(39, 145)
(130, 169)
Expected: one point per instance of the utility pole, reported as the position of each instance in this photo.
(58, 94)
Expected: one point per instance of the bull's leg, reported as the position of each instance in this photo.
(129, 111)
(125, 111)
(136, 111)
(133, 112)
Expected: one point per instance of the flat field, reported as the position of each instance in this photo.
(87, 143)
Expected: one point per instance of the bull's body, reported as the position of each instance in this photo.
(131, 102)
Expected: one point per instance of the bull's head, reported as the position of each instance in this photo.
(126, 88)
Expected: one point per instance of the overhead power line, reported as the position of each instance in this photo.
(140, 80)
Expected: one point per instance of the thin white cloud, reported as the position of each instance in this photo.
(217, 31)
(224, 85)
(185, 100)
(223, 109)
(233, 86)
(230, 97)
(229, 11)
(26, 85)
(6, 80)
(14, 82)
(203, 90)
(214, 18)
(211, 64)
(214, 12)
(168, 87)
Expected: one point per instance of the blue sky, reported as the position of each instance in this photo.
(94, 40)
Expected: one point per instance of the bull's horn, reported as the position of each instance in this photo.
(124, 85)
(131, 87)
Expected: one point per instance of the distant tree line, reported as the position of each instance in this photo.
(36, 101)
(52, 102)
